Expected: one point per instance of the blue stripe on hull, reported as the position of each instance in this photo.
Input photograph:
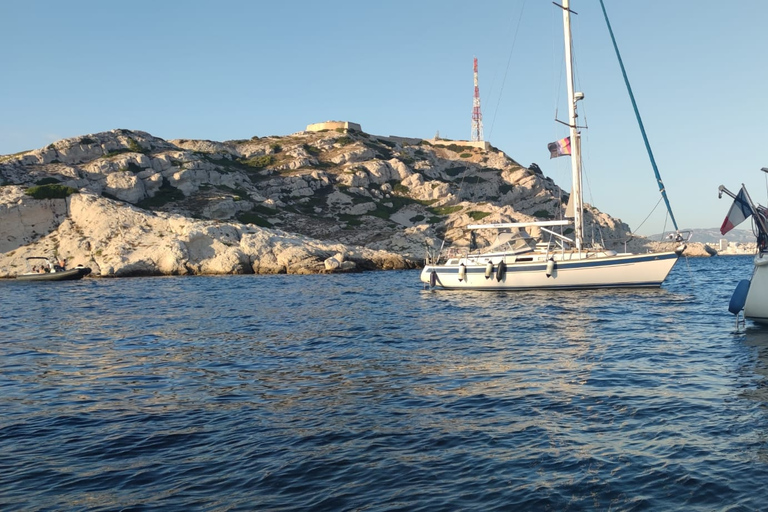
(556, 287)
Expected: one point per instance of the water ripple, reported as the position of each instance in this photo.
(366, 392)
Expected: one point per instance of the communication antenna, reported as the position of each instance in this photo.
(477, 116)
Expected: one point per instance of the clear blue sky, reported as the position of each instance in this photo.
(235, 69)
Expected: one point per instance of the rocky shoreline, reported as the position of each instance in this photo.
(126, 203)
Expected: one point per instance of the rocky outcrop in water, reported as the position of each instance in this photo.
(308, 202)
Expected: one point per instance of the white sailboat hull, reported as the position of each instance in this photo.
(756, 304)
(607, 271)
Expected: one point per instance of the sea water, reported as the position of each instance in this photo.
(367, 392)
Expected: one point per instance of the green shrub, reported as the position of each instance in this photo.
(381, 212)
(312, 150)
(399, 188)
(135, 147)
(308, 206)
(259, 162)
(474, 215)
(453, 147)
(275, 147)
(445, 210)
(417, 218)
(351, 220)
(47, 181)
(381, 150)
(455, 171)
(238, 193)
(344, 141)
(406, 159)
(264, 210)
(165, 194)
(50, 191)
(118, 152)
(465, 155)
(87, 140)
(253, 218)
(544, 214)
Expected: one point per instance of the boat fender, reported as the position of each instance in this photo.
(501, 270)
(739, 297)
(760, 261)
(488, 270)
(432, 279)
(551, 266)
(462, 272)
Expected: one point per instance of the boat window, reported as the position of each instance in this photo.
(512, 242)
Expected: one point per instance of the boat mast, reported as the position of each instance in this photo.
(576, 196)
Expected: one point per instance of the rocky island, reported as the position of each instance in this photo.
(126, 203)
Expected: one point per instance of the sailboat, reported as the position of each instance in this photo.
(517, 261)
(750, 295)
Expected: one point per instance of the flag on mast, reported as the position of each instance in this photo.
(740, 210)
(561, 147)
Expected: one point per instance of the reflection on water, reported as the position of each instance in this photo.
(357, 392)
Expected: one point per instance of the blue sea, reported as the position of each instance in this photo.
(365, 392)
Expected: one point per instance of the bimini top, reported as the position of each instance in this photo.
(505, 225)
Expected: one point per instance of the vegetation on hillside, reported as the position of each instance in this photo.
(50, 191)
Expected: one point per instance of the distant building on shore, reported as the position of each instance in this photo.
(481, 144)
(333, 125)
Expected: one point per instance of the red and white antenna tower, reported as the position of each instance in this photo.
(477, 116)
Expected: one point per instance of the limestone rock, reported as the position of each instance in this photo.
(342, 200)
(118, 240)
(125, 186)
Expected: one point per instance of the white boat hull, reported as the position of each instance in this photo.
(609, 271)
(756, 304)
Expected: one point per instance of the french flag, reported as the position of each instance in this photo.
(738, 213)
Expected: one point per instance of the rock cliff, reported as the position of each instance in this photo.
(307, 202)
